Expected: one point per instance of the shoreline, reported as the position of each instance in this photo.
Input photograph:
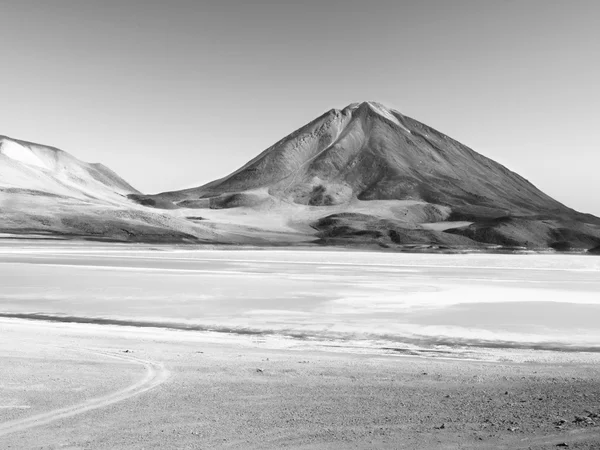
(11, 238)
(273, 341)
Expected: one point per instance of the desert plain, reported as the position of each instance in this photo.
(137, 346)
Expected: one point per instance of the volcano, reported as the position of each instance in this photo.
(368, 152)
(367, 173)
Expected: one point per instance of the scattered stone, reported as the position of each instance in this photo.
(441, 427)
(586, 420)
(127, 351)
(259, 370)
(513, 429)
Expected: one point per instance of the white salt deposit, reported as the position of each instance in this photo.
(344, 295)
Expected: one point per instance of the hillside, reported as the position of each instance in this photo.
(33, 167)
(46, 192)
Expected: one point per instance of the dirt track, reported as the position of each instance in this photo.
(155, 375)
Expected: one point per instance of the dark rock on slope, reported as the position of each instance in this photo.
(357, 229)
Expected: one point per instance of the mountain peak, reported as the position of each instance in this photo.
(369, 103)
(378, 108)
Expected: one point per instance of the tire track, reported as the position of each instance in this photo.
(580, 436)
(155, 375)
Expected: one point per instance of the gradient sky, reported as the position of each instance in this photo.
(173, 94)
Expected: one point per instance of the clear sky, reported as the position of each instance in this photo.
(173, 94)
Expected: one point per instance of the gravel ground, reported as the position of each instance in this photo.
(236, 394)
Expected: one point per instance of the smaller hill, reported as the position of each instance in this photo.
(25, 166)
(47, 192)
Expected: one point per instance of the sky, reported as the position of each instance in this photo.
(174, 94)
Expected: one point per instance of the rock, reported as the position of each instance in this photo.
(582, 419)
(562, 444)
(259, 370)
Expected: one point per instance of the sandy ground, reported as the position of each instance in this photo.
(194, 390)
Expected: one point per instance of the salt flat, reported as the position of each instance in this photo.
(354, 299)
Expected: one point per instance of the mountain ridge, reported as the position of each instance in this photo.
(364, 175)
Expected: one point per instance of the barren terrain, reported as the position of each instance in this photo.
(232, 392)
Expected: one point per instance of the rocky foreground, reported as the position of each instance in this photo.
(237, 394)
